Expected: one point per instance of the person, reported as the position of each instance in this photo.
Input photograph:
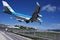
(6, 29)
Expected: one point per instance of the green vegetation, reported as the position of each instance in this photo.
(16, 25)
(2, 26)
(25, 28)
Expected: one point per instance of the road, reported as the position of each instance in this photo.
(11, 36)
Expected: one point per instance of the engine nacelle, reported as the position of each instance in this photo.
(39, 15)
(39, 20)
(20, 20)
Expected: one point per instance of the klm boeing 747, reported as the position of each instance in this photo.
(21, 17)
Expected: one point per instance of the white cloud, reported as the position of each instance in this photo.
(49, 8)
(54, 26)
(49, 26)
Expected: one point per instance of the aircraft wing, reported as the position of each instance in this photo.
(36, 15)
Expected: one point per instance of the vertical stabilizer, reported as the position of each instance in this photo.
(7, 8)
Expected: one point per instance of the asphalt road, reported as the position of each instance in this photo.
(11, 36)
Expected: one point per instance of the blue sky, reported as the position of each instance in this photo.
(50, 10)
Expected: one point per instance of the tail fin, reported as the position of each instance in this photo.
(7, 8)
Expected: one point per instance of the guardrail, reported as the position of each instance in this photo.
(48, 35)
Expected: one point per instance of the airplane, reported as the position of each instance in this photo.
(22, 17)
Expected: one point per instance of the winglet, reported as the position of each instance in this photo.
(37, 3)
